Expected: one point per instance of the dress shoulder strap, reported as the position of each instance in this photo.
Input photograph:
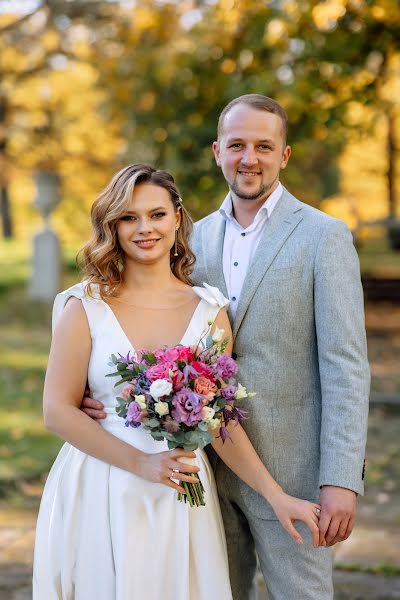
(93, 305)
(214, 301)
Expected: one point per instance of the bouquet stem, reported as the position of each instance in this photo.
(194, 492)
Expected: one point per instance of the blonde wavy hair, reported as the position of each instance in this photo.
(102, 259)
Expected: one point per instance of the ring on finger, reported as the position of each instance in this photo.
(172, 476)
(318, 512)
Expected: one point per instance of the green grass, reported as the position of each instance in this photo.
(377, 258)
(383, 569)
(27, 450)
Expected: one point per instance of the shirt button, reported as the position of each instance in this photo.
(235, 264)
(242, 234)
(234, 298)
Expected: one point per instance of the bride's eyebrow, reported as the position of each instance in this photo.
(132, 212)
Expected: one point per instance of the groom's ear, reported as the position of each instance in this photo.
(215, 148)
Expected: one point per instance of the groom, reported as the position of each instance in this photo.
(296, 306)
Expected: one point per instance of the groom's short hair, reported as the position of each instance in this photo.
(258, 102)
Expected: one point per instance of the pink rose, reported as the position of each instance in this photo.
(126, 392)
(204, 370)
(205, 387)
(160, 371)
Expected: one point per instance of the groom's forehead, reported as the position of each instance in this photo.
(247, 123)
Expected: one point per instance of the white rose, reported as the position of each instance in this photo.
(160, 387)
(214, 423)
(218, 335)
(141, 400)
(162, 408)
(207, 414)
(241, 392)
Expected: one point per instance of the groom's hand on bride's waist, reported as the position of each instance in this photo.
(93, 408)
(338, 514)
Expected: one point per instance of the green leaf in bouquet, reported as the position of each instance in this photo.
(219, 404)
(209, 341)
(114, 359)
(112, 374)
(181, 364)
(150, 358)
(224, 344)
(123, 380)
(157, 435)
(203, 426)
(172, 445)
(121, 367)
(193, 437)
(206, 438)
(121, 409)
(189, 446)
(151, 422)
(179, 437)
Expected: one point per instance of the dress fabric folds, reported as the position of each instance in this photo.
(106, 534)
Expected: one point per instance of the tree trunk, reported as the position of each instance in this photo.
(391, 150)
(5, 213)
(394, 225)
(4, 196)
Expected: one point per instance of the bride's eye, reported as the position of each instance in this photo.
(127, 218)
(158, 215)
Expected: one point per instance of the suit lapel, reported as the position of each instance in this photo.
(285, 217)
(213, 248)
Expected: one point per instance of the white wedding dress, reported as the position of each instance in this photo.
(105, 534)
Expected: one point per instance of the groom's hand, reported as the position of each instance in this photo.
(93, 408)
(338, 514)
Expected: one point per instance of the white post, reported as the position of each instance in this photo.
(46, 263)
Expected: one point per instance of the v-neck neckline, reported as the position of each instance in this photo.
(114, 316)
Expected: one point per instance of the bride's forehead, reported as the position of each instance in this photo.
(146, 196)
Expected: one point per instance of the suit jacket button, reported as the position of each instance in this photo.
(234, 355)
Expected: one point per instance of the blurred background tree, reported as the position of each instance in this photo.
(107, 83)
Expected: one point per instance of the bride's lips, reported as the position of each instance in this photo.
(150, 243)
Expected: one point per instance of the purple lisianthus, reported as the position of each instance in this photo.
(226, 367)
(229, 392)
(134, 415)
(188, 407)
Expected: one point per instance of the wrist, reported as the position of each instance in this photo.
(273, 493)
(135, 461)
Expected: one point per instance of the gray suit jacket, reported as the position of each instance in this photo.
(299, 337)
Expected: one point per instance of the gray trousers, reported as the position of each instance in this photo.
(291, 571)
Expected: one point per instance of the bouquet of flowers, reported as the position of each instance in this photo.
(181, 394)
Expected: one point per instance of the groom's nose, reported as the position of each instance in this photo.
(249, 157)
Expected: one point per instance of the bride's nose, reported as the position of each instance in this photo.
(144, 226)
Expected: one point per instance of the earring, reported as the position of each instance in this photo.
(176, 242)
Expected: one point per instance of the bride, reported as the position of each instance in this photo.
(110, 526)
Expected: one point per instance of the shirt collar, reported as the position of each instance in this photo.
(226, 209)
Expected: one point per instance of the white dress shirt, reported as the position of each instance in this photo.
(241, 244)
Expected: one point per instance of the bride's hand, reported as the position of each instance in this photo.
(289, 510)
(160, 467)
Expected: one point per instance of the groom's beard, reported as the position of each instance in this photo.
(263, 190)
